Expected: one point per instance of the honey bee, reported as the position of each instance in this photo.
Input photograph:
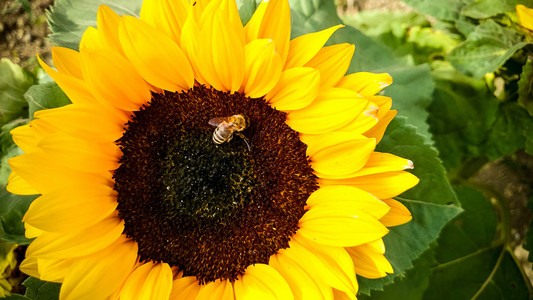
(226, 127)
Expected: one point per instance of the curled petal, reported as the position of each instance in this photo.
(365, 83)
(398, 214)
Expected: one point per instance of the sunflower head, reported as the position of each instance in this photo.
(204, 158)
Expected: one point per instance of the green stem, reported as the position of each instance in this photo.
(467, 170)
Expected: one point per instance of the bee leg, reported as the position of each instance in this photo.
(245, 140)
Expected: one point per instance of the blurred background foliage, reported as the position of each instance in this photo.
(463, 85)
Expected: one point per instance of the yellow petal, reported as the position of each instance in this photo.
(32, 232)
(112, 266)
(333, 109)
(71, 208)
(384, 162)
(525, 16)
(185, 288)
(261, 281)
(262, 68)
(67, 61)
(191, 45)
(74, 88)
(378, 130)
(91, 39)
(305, 47)
(303, 285)
(382, 185)
(365, 83)
(317, 142)
(17, 185)
(348, 197)
(25, 137)
(167, 16)
(54, 269)
(365, 120)
(333, 265)
(251, 30)
(78, 243)
(45, 175)
(220, 290)
(30, 266)
(228, 53)
(370, 262)
(164, 66)
(148, 281)
(203, 58)
(384, 104)
(332, 62)
(107, 25)
(77, 154)
(296, 89)
(398, 214)
(113, 80)
(341, 226)
(341, 295)
(276, 25)
(343, 159)
(229, 11)
(82, 120)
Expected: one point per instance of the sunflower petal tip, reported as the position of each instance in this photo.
(409, 165)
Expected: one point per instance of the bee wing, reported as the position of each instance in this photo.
(217, 121)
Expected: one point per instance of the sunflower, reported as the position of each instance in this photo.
(150, 190)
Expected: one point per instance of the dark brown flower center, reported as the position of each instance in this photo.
(211, 209)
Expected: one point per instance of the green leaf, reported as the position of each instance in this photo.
(45, 96)
(467, 248)
(12, 209)
(409, 286)
(428, 202)
(14, 81)
(412, 87)
(525, 87)
(69, 19)
(442, 10)
(461, 115)
(402, 140)
(405, 33)
(41, 290)
(483, 9)
(411, 95)
(465, 25)
(246, 9)
(485, 49)
(407, 242)
(507, 134)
